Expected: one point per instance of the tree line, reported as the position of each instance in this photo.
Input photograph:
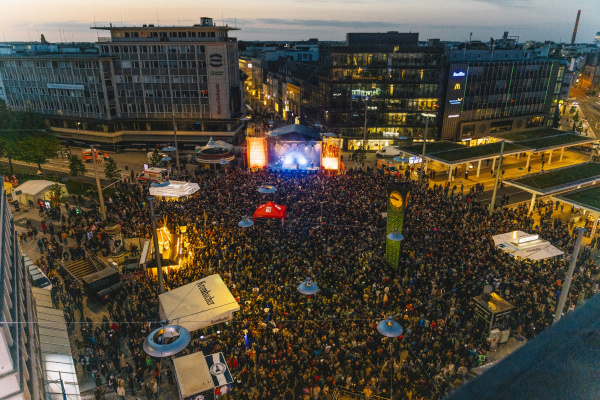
(24, 136)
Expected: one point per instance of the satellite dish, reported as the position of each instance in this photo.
(488, 289)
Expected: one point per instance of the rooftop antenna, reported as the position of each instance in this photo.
(29, 33)
(95, 20)
(157, 20)
(222, 19)
(179, 19)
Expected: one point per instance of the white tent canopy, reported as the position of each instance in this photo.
(35, 189)
(525, 245)
(175, 189)
(192, 374)
(199, 304)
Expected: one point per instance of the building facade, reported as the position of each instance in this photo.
(131, 86)
(489, 92)
(391, 77)
(20, 358)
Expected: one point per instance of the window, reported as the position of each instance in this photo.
(501, 126)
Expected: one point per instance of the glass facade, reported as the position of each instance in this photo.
(394, 85)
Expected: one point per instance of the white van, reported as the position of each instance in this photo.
(389, 151)
(152, 175)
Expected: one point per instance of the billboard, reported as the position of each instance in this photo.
(218, 81)
(257, 152)
(330, 155)
(398, 196)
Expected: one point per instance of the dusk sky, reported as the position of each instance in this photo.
(302, 19)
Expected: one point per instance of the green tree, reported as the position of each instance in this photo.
(77, 167)
(360, 156)
(110, 170)
(155, 157)
(38, 148)
(23, 136)
(56, 193)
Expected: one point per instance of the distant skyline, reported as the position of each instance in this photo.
(70, 20)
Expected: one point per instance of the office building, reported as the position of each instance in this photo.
(491, 91)
(391, 77)
(20, 358)
(133, 85)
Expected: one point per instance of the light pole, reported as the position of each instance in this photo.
(424, 145)
(94, 160)
(365, 128)
(161, 285)
(497, 178)
(567, 284)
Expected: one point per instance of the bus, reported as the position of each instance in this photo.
(86, 154)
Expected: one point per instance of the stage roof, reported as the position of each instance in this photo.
(295, 132)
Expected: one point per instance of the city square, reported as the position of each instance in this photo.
(186, 215)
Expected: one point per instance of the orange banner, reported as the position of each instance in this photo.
(257, 152)
(330, 157)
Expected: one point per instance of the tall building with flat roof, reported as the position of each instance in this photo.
(491, 92)
(20, 357)
(389, 76)
(131, 86)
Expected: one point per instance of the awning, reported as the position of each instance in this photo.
(57, 359)
(525, 245)
(270, 210)
(197, 373)
(199, 304)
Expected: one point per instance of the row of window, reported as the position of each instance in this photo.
(193, 108)
(375, 75)
(153, 49)
(55, 78)
(160, 79)
(173, 34)
(202, 94)
(48, 64)
(60, 107)
(499, 112)
(161, 64)
(389, 59)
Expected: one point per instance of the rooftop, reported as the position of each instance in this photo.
(588, 198)
(559, 179)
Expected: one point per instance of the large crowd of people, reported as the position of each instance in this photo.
(284, 345)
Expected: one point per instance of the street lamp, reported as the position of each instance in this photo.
(426, 115)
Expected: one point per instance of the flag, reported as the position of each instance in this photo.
(218, 369)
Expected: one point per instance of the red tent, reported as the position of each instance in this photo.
(270, 210)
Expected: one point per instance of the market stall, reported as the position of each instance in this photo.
(270, 210)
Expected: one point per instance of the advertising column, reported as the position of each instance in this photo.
(396, 211)
(218, 82)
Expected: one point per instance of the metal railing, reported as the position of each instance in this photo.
(62, 265)
(96, 261)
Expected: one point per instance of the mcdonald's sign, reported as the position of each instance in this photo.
(457, 86)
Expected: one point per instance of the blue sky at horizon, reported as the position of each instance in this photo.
(22, 20)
